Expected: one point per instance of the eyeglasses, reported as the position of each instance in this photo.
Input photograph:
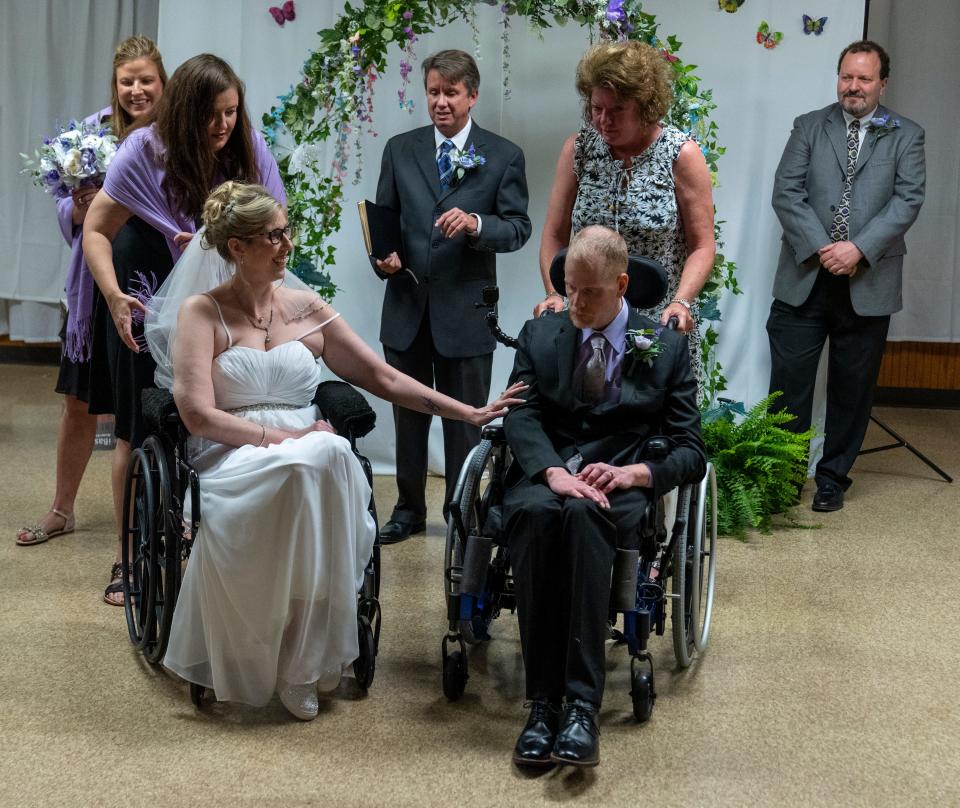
(276, 235)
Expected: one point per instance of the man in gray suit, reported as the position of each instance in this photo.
(848, 187)
(461, 193)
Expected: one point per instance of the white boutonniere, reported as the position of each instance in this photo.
(643, 344)
(882, 125)
(466, 160)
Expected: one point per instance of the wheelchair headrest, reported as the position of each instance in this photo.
(646, 288)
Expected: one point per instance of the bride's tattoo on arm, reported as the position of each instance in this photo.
(431, 406)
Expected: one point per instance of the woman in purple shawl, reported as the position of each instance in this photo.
(197, 136)
(136, 84)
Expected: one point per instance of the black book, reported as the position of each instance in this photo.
(381, 232)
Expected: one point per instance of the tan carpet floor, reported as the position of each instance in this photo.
(831, 678)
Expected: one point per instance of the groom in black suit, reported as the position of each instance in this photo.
(462, 197)
(595, 396)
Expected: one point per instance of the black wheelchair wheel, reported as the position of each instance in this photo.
(682, 584)
(152, 549)
(473, 493)
(454, 675)
(364, 666)
(641, 691)
(139, 529)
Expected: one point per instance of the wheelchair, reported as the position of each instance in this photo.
(156, 541)
(677, 568)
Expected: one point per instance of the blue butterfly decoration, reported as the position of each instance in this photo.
(812, 26)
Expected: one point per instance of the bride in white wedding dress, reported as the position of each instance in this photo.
(268, 600)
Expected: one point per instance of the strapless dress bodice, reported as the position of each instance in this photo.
(287, 375)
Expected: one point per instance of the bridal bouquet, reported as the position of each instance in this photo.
(75, 157)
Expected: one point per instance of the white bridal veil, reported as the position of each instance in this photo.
(199, 270)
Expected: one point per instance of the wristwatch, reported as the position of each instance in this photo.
(683, 302)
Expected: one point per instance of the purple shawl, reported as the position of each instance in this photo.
(135, 180)
(80, 284)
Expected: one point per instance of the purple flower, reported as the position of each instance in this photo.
(615, 12)
(354, 50)
(408, 15)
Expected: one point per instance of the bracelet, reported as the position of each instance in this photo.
(683, 302)
(553, 294)
(263, 435)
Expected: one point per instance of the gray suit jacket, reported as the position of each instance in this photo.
(553, 425)
(451, 273)
(887, 194)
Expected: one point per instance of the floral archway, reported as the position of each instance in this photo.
(334, 101)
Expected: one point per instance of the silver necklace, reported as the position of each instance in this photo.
(257, 322)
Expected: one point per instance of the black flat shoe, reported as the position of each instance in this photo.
(829, 497)
(536, 741)
(578, 742)
(393, 532)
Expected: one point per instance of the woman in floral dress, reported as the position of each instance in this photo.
(626, 170)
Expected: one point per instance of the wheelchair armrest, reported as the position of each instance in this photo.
(345, 408)
(655, 448)
(159, 408)
(493, 433)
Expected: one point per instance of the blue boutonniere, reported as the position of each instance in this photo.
(882, 125)
(466, 160)
(643, 344)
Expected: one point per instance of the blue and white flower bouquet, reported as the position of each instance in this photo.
(77, 156)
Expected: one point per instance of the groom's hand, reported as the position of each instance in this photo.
(565, 484)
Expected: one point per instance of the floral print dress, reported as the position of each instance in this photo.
(640, 203)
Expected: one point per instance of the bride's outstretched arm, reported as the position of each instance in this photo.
(354, 361)
(193, 384)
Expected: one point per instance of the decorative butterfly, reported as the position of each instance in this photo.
(284, 13)
(766, 37)
(730, 6)
(812, 26)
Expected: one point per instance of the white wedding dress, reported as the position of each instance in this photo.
(270, 589)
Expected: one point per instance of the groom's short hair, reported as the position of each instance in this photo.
(454, 66)
(600, 248)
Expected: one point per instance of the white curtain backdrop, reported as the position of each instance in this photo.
(55, 63)
(758, 91)
(922, 38)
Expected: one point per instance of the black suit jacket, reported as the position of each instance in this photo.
(553, 425)
(451, 273)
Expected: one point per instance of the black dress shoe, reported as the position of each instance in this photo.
(393, 532)
(578, 742)
(829, 497)
(536, 741)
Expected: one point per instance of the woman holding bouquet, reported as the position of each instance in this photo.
(137, 83)
(196, 137)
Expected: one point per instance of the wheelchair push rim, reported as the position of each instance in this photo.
(705, 554)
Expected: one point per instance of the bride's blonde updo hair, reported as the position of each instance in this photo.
(236, 210)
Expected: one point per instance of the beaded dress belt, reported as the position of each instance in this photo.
(261, 407)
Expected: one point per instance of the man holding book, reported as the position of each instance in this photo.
(461, 195)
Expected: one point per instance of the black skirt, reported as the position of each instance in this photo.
(74, 377)
(117, 374)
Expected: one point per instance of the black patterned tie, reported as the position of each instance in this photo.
(593, 385)
(840, 229)
(444, 163)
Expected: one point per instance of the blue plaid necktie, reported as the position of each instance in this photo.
(840, 227)
(445, 164)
